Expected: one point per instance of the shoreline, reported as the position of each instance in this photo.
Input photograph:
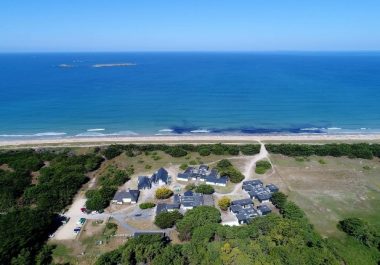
(194, 139)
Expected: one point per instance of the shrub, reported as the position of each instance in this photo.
(184, 166)
(176, 151)
(204, 152)
(250, 149)
(360, 230)
(147, 205)
(224, 203)
(112, 151)
(278, 199)
(167, 219)
(223, 164)
(262, 166)
(193, 162)
(163, 193)
(205, 189)
(148, 166)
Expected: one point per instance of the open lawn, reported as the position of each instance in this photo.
(330, 189)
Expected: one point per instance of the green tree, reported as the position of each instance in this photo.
(167, 219)
(163, 193)
(204, 189)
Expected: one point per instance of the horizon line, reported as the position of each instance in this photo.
(198, 51)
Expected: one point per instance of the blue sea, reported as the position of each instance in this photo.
(64, 95)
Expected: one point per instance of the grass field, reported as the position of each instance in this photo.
(329, 189)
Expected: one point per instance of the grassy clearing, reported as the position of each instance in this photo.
(331, 191)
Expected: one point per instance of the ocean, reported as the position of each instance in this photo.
(72, 94)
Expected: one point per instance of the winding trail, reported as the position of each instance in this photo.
(250, 167)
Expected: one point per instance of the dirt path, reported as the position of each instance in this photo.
(249, 167)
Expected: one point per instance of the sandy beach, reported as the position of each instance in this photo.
(194, 139)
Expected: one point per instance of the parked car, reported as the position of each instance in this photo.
(81, 221)
(77, 230)
(65, 219)
(83, 210)
(138, 214)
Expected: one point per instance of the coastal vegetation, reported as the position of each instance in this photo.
(167, 219)
(225, 168)
(262, 166)
(163, 193)
(147, 205)
(30, 201)
(224, 203)
(98, 199)
(204, 189)
(361, 150)
(205, 241)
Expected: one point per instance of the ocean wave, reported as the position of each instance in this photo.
(200, 131)
(42, 134)
(334, 128)
(96, 130)
(166, 130)
(97, 134)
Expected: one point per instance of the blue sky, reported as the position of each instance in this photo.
(189, 25)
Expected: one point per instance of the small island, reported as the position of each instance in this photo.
(114, 65)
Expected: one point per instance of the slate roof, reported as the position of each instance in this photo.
(184, 176)
(144, 182)
(161, 174)
(242, 202)
(264, 209)
(192, 199)
(221, 180)
(272, 188)
(246, 214)
(129, 194)
(164, 207)
(263, 196)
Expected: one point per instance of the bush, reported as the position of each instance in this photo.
(176, 151)
(184, 166)
(163, 193)
(262, 166)
(360, 230)
(112, 151)
(147, 205)
(224, 203)
(167, 219)
(223, 164)
(204, 152)
(204, 189)
(148, 166)
(279, 199)
(193, 162)
(250, 149)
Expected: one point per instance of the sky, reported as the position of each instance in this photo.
(189, 25)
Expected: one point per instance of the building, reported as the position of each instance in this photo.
(167, 207)
(183, 177)
(251, 184)
(200, 174)
(264, 197)
(244, 203)
(272, 188)
(245, 215)
(128, 196)
(160, 177)
(263, 209)
(221, 181)
(144, 183)
(191, 199)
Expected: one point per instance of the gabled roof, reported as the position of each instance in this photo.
(242, 202)
(272, 188)
(184, 176)
(129, 194)
(188, 193)
(203, 167)
(161, 174)
(144, 182)
(264, 209)
(264, 196)
(255, 182)
(221, 180)
(189, 170)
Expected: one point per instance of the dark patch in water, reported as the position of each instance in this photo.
(247, 130)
